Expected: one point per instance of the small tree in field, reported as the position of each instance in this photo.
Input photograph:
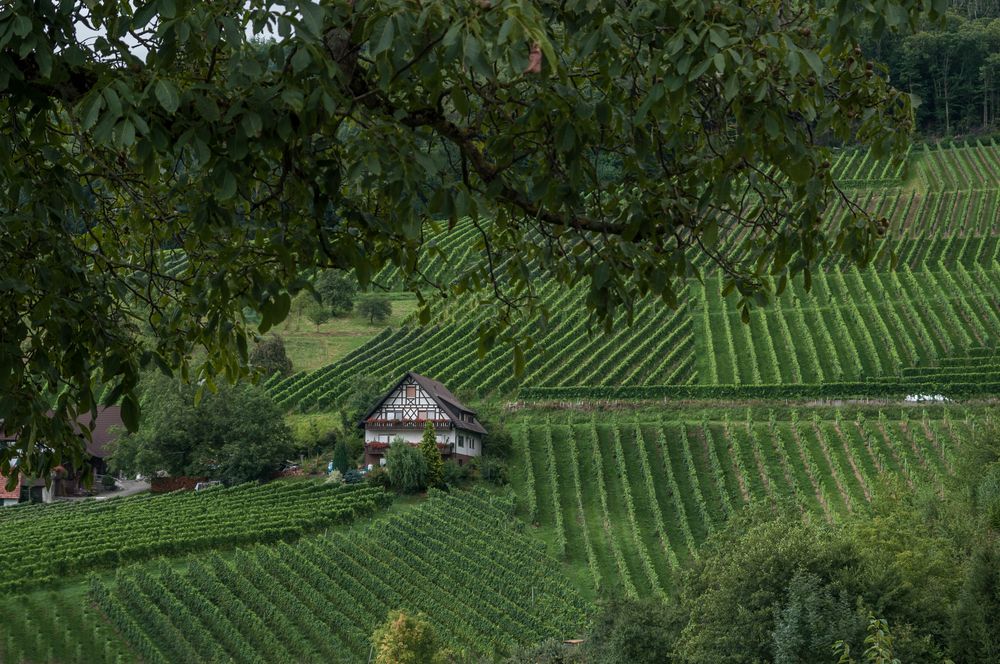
(337, 288)
(375, 309)
(431, 453)
(406, 639)
(317, 312)
(269, 355)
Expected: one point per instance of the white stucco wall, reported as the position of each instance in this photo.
(413, 437)
(409, 435)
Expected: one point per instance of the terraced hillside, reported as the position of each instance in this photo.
(626, 501)
(457, 558)
(852, 328)
(82, 537)
(877, 331)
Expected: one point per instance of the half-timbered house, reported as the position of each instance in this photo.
(404, 411)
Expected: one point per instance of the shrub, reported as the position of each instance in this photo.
(108, 482)
(552, 651)
(270, 357)
(497, 442)
(378, 476)
(628, 631)
(493, 470)
(405, 639)
(353, 476)
(455, 474)
(337, 289)
(317, 313)
(340, 457)
(432, 455)
(407, 467)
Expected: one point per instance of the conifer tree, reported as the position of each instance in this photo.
(340, 456)
(429, 448)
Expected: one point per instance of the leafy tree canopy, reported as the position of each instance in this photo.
(270, 357)
(407, 467)
(337, 290)
(375, 309)
(408, 639)
(260, 138)
(236, 434)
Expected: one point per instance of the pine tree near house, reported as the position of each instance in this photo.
(429, 448)
(340, 457)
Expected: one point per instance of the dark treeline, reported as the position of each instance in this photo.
(953, 68)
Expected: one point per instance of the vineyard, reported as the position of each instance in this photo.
(874, 332)
(457, 558)
(57, 628)
(80, 537)
(626, 503)
(856, 333)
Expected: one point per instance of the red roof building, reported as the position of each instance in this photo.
(12, 496)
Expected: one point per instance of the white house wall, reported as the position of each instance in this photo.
(409, 435)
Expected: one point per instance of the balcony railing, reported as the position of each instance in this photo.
(381, 448)
(405, 424)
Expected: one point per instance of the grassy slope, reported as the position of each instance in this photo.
(310, 347)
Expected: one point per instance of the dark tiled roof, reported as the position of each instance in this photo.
(107, 426)
(441, 395)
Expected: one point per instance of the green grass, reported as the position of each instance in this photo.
(310, 347)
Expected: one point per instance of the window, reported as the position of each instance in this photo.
(423, 415)
(461, 441)
(472, 443)
(411, 391)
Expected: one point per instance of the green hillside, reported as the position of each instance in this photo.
(456, 558)
(87, 536)
(627, 501)
(856, 332)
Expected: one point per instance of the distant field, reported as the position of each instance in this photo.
(457, 558)
(310, 347)
(625, 500)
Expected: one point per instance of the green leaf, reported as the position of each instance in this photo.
(143, 15)
(92, 112)
(301, 59)
(385, 42)
(228, 188)
(814, 61)
(22, 26)
(603, 113)
(114, 102)
(312, 17)
(130, 412)
(167, 95)
(565, 137)
(518, 360)
(207, 108)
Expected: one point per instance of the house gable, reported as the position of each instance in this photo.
(408, 401)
